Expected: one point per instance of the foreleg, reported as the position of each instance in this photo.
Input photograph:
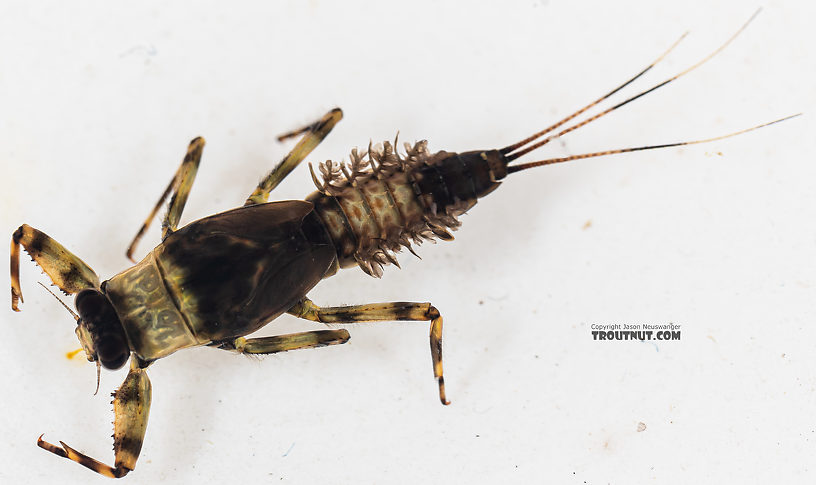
(67, 271)
(131, 406)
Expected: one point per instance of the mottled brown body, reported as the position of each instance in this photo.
(223, 277)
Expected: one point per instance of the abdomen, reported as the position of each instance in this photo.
(384, 203)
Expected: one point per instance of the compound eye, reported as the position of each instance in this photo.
(100, 322)
(89, 304)
(112, 351)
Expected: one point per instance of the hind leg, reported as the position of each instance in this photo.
(284, 343)
(378, 312)
(314, 134)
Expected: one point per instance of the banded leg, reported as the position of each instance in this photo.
(131, 405)
(283, 343)
(314, 134)
(67, 271)
(378, 312)
(180, 185)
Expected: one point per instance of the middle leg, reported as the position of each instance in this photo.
(180, 186)
(378, 312)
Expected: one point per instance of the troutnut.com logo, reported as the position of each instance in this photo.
(635, 331)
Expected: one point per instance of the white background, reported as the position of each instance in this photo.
(98, 102)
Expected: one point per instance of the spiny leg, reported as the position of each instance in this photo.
(67, 271)
(378, 312)
(314, 134)
(131, 406)
(283, 343)
(180, 185)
